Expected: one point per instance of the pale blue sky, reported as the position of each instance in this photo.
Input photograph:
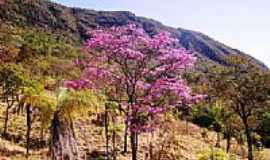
(242, 24)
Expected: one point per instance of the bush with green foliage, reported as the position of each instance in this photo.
(209, 116)
(264, 128)
(212, 155)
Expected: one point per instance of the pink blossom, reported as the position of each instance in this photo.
(147, 70)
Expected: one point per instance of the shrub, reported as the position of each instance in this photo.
(212, 155)
(200, 117)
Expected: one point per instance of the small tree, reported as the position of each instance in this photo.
(212, 115)
(245, 88)
(111, 114)
(218, 114)
(144, 71)
(37, 103)
(12, 78)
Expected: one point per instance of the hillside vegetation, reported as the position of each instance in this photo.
(75, 22)
(125, 91)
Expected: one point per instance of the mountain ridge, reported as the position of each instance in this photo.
(77, 21)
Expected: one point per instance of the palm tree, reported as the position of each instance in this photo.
(68, 105)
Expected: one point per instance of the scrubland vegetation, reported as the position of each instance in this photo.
(122, 94)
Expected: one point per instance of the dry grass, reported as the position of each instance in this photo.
(174, 140)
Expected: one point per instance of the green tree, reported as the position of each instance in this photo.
(245, 88)
(37, 103)
(232, 126)
(12, 79)
(213, 116)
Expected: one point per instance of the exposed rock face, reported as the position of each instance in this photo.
(77, 21)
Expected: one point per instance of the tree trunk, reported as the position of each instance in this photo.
(137, 141)
(212, 153)
(6, 121)
(28, 123)
(133, 146)
(41, 137)
(126, 137)
(114, 147)
(151, 150)
(114, 138)
(248, 132)
(151, 146)
(228, 143)
(10, 103)
(106, 132)
(249, 142)
(41, 134)
(63, 145)
(218, 140)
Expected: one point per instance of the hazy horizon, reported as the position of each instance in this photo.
(242, 24)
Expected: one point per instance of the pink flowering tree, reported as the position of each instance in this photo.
(141, 73)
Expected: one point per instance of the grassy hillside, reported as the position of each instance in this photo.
(175, 140)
